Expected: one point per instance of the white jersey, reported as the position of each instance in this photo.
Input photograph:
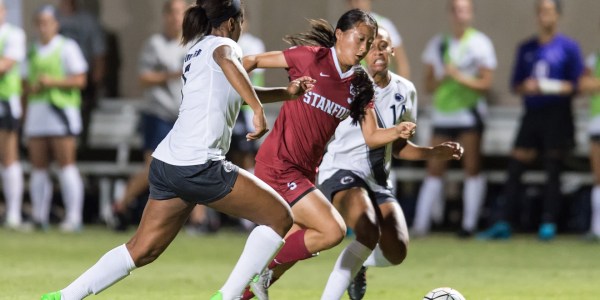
(208, 108)
(469, 56)
(395, 103)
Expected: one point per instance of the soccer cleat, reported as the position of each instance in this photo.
(260, 284)
(498, 231)
(358, 286)
(219, 296)
(547, 231)
(52, 296)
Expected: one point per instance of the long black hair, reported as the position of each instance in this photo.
(323, 34)
(207, 14)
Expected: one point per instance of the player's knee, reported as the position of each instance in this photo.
(283, 221)
(397, 252)
(142, 254)
(333, 235)
(367, 233)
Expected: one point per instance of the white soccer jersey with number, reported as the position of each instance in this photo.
(208, 108)
(395, 103)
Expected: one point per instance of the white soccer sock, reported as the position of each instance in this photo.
(71, 187)
(261, 246)
(595, 228)
(12, 184)
(430, 193)
(346, 267)
(377, 259)
(473, 194)
(40, 192)
(115, 265)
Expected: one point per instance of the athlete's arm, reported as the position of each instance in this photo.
(273, 59)
(533, 86)
(6, 65)
(152, 78)
(376, 137)
(238, 78)
(431, 83)
(481, 83)
(404, 149)
(589, 83)
(294, 89)
(77, 81)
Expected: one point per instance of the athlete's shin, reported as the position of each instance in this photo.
(261, 246)
(115, 265)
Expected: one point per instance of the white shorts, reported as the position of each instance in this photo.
(594, 126)
(42, 119)
(465, 118)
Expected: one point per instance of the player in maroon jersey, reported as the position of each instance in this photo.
(288, 158)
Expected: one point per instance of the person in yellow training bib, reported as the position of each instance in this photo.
(459, 70)
(12, 53)
(56, 72)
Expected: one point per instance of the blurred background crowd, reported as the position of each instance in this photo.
(530, 134)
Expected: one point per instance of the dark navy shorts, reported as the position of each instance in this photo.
(199, 184)
(344, 180)
(7, 121)
(154, 130)
(549, 128)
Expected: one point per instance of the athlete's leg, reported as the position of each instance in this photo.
(393, 243)
(517, 164)
(137, 184)
(64, 150)
(40, 185)
(475, 184)
(430, 193)
(359, 214)
(265, 208)
(595, 162)
(12, 177)
(161, 221)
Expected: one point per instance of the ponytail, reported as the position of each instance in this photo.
(362, 92)
(195, 24)
(321, 34)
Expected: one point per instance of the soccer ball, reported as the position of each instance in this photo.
(444, 293)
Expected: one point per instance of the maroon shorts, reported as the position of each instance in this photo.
(291, 183)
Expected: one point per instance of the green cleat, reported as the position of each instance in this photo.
(217, 296)
(52, 296)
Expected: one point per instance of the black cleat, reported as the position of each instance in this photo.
(358, 286)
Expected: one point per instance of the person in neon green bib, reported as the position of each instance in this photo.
(590, 83)
(55, 76)
(12, 53)
(459, 70)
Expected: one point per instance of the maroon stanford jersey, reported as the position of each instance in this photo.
(305, 125)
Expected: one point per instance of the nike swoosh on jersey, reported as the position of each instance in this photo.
(323, 74)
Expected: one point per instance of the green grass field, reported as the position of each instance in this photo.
(195, 267)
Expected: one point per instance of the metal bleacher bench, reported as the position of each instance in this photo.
(113, 126)
(501, 125)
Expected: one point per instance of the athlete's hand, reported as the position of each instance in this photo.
(447, 151)
(531, 86)
(260, 125)
(406, 130)
(300, 86)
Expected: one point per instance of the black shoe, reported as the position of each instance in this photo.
(358, 286)
(464, 234)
